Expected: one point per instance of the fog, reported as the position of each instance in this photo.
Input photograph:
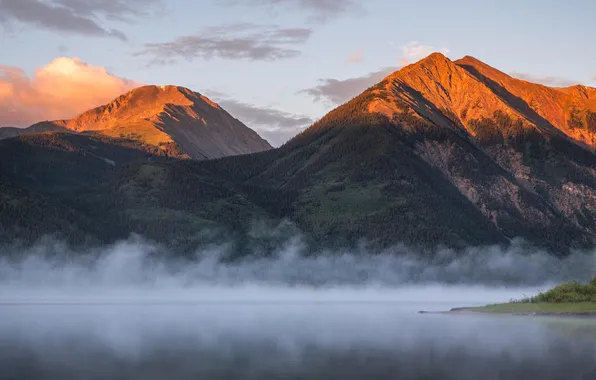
(139, 263)
(133, 310)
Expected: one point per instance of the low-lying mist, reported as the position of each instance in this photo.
(137, 268)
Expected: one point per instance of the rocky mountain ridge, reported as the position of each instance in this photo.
(168, 118)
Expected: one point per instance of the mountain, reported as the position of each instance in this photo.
(442, 152)
(438, 154)
(439, 149)
(167, 118)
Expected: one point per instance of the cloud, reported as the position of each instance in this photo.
(62, 89)
(415, 51)
(553, 81)
(237, 41)
(319, 10)
(274, 125)
(122, 10)
(337, 92)
(73, 16)
(356, 57)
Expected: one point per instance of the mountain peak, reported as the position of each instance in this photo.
(160, 95)
(467, 94)
(436, 57)
(469, 59)
(167, 116)
(168, 88)
(432, 67)
(475, 67)
(435, 60)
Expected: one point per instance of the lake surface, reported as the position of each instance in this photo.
(251, 333)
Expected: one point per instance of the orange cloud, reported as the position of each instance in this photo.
(62, 89)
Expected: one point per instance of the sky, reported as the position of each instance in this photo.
(277, 65)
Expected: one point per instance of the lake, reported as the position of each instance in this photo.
(257, 332)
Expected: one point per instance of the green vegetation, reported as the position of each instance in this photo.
(569, 292)
(568, 298)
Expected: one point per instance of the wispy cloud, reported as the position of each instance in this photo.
(317, 10)
(237, 41)
(415, 51)
(73, 16)
(548, 80)
(62, 89)
(356, 57)
(335, 91)
(123, 10)
(274, 125)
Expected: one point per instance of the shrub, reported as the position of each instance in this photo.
(591, 121)
(575, 120)
(569, 292)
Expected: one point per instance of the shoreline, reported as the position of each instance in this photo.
(480, 311)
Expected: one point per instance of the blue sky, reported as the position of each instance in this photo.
(279, 64)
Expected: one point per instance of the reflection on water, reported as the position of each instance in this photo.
(289, 340)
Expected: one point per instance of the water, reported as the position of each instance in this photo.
(291, 333)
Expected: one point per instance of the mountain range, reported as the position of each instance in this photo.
(441, 152)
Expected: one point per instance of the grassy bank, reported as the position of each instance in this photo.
(568, 298)
(539, 308)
